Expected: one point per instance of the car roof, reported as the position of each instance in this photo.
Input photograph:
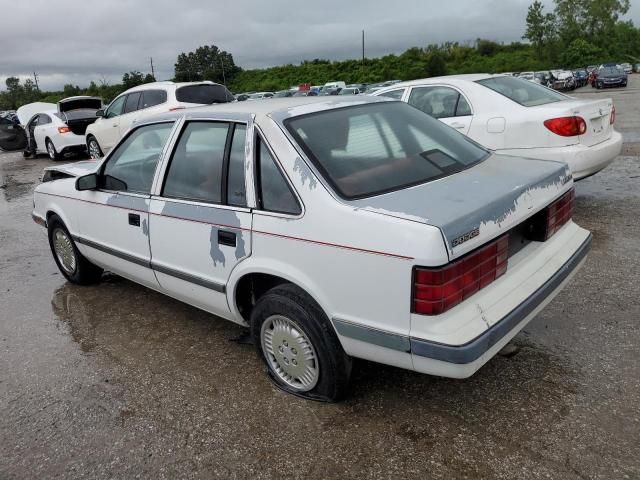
(277, 108)
(155, 85)
(453, 79)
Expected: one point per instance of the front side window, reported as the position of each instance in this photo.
(195, 170)
(131, 105)
(371, 149)
(115, 109)
(395, 94)
(439, 102)
(132, 165)
(151, 98)
(527, 94)
(274, 192)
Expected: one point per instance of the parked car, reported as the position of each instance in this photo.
(305, 93)
(142, 101)
(542, 78)
(284, 93)
(349, 91)
(260, 95)
(626, 68)
(581, 77)
(516, 117)
(381, 262)
(636, 68)
(12, 135)
(563, 80)
(611, 77)
(527, 76)
(58, 129)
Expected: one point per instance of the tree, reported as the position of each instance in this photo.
(132, 79)
(540, 28)
(29, 92)
(14, 91)
(206, 63)
(71, 90)
(148, 78)
(436, 65)
(581, 53)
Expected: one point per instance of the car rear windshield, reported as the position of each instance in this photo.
(521, 91)
(367, 150)
(204, 94)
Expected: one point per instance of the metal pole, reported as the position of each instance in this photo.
(153, 72)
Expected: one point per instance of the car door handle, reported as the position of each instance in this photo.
(226, 238)
(458, 125)
(134, 219)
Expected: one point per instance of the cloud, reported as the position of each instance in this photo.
(76, 41)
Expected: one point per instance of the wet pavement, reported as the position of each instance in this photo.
(117, 381)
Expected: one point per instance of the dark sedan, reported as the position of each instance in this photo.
(611, 77)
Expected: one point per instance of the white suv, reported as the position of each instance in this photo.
(142, 101)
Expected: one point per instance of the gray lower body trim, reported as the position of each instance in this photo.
(471, 351)
(372, 335)
(111, 251)
(218, 287)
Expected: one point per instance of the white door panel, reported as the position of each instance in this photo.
(195, 247)
(462, 124)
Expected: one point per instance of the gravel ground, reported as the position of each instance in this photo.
(117, 381)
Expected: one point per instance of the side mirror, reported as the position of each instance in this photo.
(100, 113)
(87, 182)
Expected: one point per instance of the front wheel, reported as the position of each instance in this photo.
(296, 341)
(94, 149)
(72, 264)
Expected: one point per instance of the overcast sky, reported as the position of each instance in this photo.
(76, 41)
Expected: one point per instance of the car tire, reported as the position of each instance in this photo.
(296, 340)
(26, 153)
(93, 148)
(51, 150)
(71, 263)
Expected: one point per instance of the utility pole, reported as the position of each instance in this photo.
(35, 80)
(363, 54)
(153, 72)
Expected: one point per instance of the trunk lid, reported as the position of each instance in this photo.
(79, 103)
(596, 114)
(478, 204)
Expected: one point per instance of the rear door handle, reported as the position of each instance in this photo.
(226, 238)
(457, 125)
(134, 219)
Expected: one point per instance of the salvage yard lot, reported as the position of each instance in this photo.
(114, 380)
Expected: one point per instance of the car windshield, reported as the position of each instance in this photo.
(610, 71)
(525, 93)
(370, 149)
(204, 94)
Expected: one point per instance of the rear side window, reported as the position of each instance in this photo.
(236, 189)
(439, 102)
(371, 149)
(131, 105)
(204, 94)
(195, 171)
(395, 94)
(527, 94)
(274, 192)
(151, 98)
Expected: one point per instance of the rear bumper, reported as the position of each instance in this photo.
(509, 326)
(584, 161)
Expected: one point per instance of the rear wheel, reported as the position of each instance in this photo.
(93, 148)
(72, 264)
(296, 341)
(51, 150)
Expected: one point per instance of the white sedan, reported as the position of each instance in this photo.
(332, 228)
(58, 129)
(520, 118)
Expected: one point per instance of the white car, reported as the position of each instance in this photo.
(515, 117)
(332, 228)
(260, 95)
(58, 129)
(143, 101)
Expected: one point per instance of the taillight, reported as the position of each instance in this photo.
(64, 129)
(560, 212)
(567, 126)
(436, 290)
(612, 118)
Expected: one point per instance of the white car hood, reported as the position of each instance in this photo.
(77, 169)
(26, 112)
